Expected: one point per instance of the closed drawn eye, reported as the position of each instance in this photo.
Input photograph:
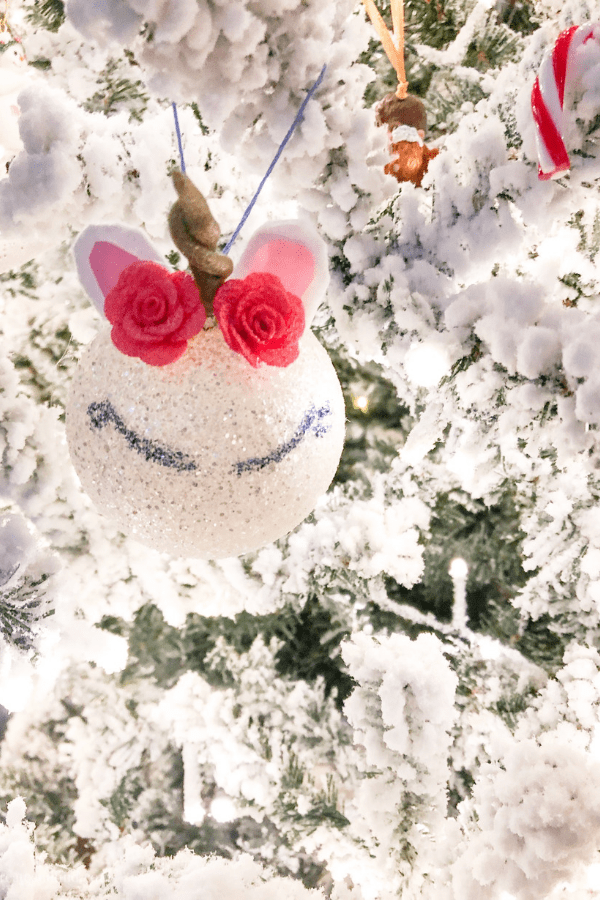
(312, 421)
(102, 413)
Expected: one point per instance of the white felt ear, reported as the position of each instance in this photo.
(296, 253)
(103, 251)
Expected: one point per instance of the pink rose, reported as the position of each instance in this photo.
(260, 319)
(154, 313)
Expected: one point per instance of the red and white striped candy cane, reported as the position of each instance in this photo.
(548, 95)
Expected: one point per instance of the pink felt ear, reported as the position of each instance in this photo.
(103, 251)
(295, 252)
(107, 261)
(293, 264)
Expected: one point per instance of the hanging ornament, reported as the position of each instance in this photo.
(208, 420)
(14, 76)
(402, 113)
(557, 71)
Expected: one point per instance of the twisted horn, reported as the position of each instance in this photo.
(195, 233)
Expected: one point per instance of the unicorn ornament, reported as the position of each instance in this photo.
(208, 420)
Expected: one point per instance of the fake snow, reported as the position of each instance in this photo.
(478, 296)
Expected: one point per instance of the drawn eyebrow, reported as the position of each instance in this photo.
(102, 413)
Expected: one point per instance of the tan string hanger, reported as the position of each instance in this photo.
(393, 44)
(403, 113)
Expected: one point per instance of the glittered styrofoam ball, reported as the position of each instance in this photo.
(206, 457)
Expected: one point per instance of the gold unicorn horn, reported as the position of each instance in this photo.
(195, 233)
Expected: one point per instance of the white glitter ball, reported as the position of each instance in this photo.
(206, 457)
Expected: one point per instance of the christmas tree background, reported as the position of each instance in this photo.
(321, 714)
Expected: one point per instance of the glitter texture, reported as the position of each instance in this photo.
(206, 457)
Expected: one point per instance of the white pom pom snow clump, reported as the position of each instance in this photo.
(539, 816)
(402, 713)
(45, 174)
(129, 872)
(228, 57)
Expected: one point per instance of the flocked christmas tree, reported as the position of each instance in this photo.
(401, 698)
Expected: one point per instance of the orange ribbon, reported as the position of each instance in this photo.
(393, 43)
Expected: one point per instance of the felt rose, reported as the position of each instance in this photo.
(154, 313)
(260, 319)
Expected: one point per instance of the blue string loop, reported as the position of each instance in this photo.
(178, 131)
(291, 130)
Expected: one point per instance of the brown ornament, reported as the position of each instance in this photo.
(195, 233)
(411, 158)
(411, 162)
(393, 111)
(400, 110)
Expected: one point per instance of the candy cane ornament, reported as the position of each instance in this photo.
(548, 97)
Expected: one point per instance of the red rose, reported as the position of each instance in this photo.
(154, 312)
(260, 319)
